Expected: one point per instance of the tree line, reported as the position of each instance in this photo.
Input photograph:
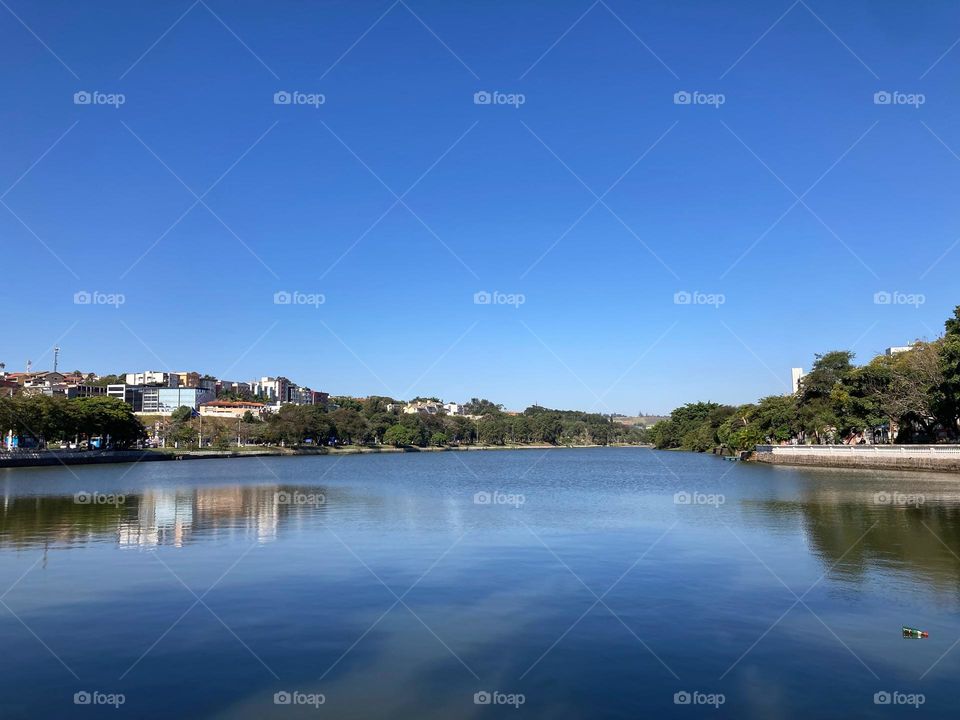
(41, 419)
(907, 397)
(351, 421)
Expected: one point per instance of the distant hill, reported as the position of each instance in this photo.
(640, 420)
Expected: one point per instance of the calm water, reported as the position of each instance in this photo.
(382, 584)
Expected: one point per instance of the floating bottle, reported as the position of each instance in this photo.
(909, 632)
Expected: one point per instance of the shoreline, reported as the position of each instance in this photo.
(905, 460)
(53, 458)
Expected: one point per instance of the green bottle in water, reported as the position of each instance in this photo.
(909, 632)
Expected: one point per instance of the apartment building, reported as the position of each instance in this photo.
(155, 378)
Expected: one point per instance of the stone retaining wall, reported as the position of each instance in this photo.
(940, 464)
(52, 458)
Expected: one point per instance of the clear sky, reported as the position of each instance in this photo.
(785, 188)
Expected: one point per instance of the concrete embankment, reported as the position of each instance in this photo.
(48, 458)
(51, 458)
(940, 458)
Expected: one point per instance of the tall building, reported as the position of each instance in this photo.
(163, 401)
(130, 394)
(271, 389)
(796, 375)
(282, 390)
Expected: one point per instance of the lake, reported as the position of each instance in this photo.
(566, 583)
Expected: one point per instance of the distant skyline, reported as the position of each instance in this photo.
(607, 206)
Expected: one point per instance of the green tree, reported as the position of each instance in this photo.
(376, 405)
(181, 414)
(379, 424)
(399, 435)
(481, 406)
(948, 400)
(351, 426)
(825, 404)
(492, 430)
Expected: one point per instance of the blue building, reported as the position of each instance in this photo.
(164, 400)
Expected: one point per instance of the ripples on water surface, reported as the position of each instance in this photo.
(381, 583)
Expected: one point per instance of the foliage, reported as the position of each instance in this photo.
(399, 435)
(693, 426)
(480, 406)
(48, 419)
(181, 414)
(915, 394)
(105, 380)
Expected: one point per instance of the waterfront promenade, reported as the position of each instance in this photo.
(891, 457)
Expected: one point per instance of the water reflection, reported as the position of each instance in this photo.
(156, 517)
(853, 534)
(303, 570)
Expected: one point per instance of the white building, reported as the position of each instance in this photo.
(453, 408)
(424, 408)
(271, 389)
(282, 390)
(153, 377)
(796, 375)
(898, 349)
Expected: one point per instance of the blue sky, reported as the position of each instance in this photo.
(797, 199)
